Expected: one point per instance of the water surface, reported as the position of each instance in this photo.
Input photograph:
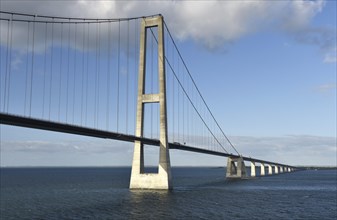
(199, 193)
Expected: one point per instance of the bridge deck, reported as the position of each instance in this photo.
(16, 120)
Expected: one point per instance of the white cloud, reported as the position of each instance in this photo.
(291, 149)
(326, 87)
(210, 23)
(98, 146)
(297, 14)
(330, 57)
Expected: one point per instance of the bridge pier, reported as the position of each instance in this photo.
(270, 170)
(281, 169)
(252, 169)
(276, 169)
(263, 170)
(236, 171)
(162, 179)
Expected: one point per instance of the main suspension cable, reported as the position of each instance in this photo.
(188, 71)
(79, 19)
(181, 86)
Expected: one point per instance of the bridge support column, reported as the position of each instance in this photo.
(270, 170)
(162, 179)
(276, 169)
(252, 169)
(289, 170)
(236, 171)
(281, 169)
(263, 170)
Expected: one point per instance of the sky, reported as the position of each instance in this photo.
(267, 69)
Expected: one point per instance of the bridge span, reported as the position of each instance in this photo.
(15, 120)
(80, 77)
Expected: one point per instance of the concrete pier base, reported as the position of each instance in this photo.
(276, 169)
(263, 170)
(252, 169)
(270, 170)
(160, 180)
(236, 171)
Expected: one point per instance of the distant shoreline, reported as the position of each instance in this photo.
(318, 167)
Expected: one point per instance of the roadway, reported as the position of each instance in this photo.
(16, 120)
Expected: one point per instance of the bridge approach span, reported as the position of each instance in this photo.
(15, 120)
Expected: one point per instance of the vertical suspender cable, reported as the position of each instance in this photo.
(10, 63)
(173, 95)
(127, 79)
(44, 68)
(82, 75)
(32, 69)
(151, 86)
(75, 59)
(108, 78)
(135, 76)
(51, 65)
(98, 70)
(187, 115)
(87, 77)
(118, 72)
(179, 123)
(27, 65)
(7, 64)
(95, 77)
(183, 100)
(60, 79)
(68, 75)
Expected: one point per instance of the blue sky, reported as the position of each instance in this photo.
(266, 69)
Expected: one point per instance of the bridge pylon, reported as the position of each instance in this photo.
(236, 170)
(162, 179)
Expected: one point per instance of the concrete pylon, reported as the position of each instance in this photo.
(281, 169)
(263, 170)
(234, 171)
(276, 169)
(270, 170)
(162, 179)
(252, 169)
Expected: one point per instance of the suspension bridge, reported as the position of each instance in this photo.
(123, 79)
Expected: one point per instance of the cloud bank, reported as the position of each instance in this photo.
(326, 88)
(292, 149)
(213, 24)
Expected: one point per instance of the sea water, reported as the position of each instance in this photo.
(199, 193)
